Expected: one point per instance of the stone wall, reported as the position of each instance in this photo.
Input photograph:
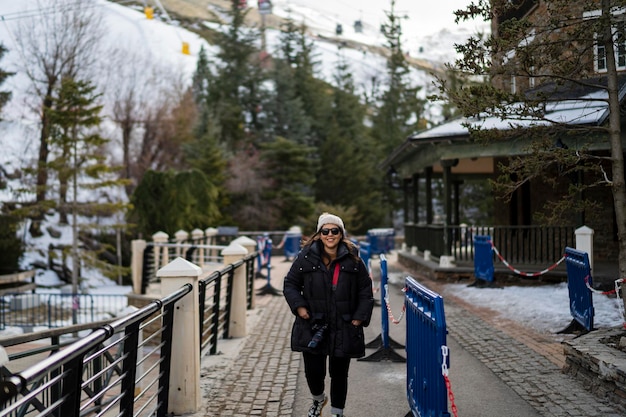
(600, 367)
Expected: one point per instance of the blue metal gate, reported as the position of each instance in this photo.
(425, 337)
(578, 277)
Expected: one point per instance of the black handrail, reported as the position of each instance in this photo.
(39, 384)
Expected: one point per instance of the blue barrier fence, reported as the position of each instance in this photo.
(580, 297)
(291, 245)
(380, 240)
(425, 339)
(483, 258)
(264, 260)
(364, 252)
(383, 343)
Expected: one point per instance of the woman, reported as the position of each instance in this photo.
(329, 290)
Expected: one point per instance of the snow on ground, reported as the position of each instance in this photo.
(544, 308)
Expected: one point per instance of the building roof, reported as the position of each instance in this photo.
(580, 104)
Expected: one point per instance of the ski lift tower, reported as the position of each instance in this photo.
(265, 8)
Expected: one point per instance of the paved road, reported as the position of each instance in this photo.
(496, 367)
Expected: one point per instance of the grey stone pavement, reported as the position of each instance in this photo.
(497, 367)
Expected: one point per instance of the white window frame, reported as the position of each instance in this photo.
(599, 52)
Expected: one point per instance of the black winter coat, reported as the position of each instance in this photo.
(309, 284)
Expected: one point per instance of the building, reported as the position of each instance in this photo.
(549, 86)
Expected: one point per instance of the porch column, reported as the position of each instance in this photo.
(429, 195)
(447, 208)
(457, 213)
(416, 179)
(447, 191)
(405, 194)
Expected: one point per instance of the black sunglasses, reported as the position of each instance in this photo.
(334, 231)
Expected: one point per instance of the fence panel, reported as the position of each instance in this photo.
(483, 258)
(578, 277)
(425, 336)
(52, 310)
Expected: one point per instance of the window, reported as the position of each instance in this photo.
(620, 44)
(619, 39)
(513, 85)
(600, 58)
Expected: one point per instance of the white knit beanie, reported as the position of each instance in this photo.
(327, 218)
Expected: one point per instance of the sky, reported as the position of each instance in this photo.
(430, 25)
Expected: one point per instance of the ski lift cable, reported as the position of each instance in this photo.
(168, 18)
(15, 44)
(44, 11)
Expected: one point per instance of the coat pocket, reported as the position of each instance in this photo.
(301, 334)
(353, 338)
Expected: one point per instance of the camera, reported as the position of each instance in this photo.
(319, 330)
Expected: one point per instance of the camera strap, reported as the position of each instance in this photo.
(336, 275)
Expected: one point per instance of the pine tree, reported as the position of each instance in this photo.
(10, 246)
(357, 182)
(169, 201)
(5, 96)
(235, 93)
(400, 109)
(313, 92)
(285, 115)
(80, 162)
(289, 165)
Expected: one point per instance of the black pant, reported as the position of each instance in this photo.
(315, 371)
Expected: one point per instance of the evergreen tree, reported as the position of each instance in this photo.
(400, 109)
(308, 94)
(285, 114)
(312, 91)
(347, 172)
(11, 247)
(5, 96)
(290, 166)
(169, 201)
(80, 162)
(234, 95)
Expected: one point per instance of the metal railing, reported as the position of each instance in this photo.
(215, 300)
(30, 310)
(157, 255)
(519, 244)
(115, 370)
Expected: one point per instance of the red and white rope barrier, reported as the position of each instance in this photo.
(389, 312)
(525, 274)
(444, 371)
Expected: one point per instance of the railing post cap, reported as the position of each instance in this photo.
(584, 230)
(210, 231)
(197, 233)
(4, 357)
(181, 235)
(234, 249)
(179, 267)
(160, 236)
(244, 241)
